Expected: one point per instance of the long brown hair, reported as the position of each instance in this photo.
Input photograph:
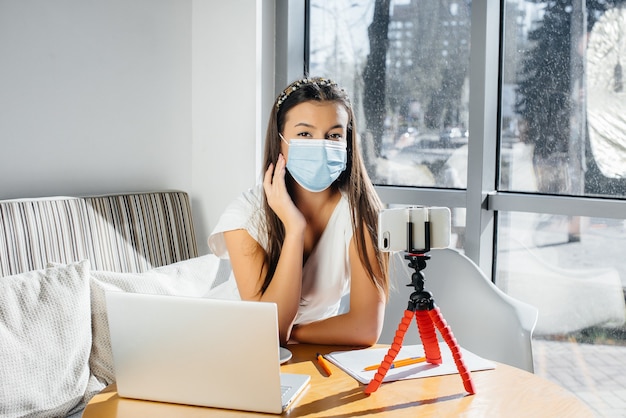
(354, 181)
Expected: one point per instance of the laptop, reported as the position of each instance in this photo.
(197, 351)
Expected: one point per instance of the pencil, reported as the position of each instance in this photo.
(398, 363)
(323, 364)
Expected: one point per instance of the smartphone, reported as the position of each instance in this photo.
(394, 225)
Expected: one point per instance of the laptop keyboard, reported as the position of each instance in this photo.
(284, 389)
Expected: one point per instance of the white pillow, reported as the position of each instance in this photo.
(193, 277)
(45, 341)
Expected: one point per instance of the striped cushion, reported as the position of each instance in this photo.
(122, 233)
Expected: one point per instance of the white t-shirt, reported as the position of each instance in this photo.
(326, 273)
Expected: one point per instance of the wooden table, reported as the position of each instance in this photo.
(502, 392)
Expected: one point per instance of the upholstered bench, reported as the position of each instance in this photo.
(58, 256)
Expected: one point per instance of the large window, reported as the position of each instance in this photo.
(516, 123)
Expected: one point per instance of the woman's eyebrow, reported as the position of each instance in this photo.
(308, 125)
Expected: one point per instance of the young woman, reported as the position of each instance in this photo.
(308, 235)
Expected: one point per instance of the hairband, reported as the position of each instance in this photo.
(321, 82)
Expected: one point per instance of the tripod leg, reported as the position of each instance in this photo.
(428, 336)
(391, 353)
(446, 333)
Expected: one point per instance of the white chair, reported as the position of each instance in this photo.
(483, 319)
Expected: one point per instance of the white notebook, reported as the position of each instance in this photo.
(195, 351)
(354, 363)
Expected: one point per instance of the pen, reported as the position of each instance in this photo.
(398, 363)
(323, 364)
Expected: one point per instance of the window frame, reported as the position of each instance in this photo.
(482, 199)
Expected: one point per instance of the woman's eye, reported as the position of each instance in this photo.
(335, 137)
(304, 134)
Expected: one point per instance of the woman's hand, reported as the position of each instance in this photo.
(278, 197)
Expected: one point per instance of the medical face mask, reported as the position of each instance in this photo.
(316, 163)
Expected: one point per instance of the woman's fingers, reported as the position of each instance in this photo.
(278, 197)
(267, 178)
(279, 172)
(274, 179)
(271, 183)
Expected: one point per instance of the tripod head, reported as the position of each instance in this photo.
(419, 299)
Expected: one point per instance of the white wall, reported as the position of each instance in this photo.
(131, 95)
(232, 88)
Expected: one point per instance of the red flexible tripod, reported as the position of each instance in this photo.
(427, 315)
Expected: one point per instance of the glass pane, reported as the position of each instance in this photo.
(563, 129)
(574, 271)
(406, 69)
